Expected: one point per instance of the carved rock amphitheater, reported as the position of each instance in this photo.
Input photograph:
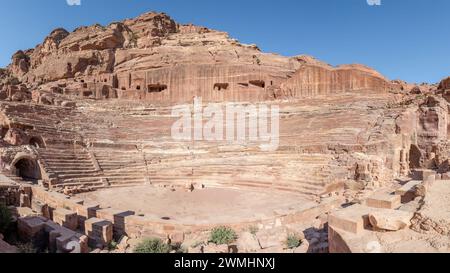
(87, 153)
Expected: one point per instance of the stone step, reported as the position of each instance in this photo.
(69, 148)
(73, 162)
(114, 159)
(118, 153)
(124, 171)
(65, 157)
(294, 188)
(123, 167)
(130, 164)
(66, 161)
(81, 180)
(124, 178)
(65, 174)
(73, 167)
(76, 175)
(125, 185)
(100, 176)
(126, 181)
(75, 184)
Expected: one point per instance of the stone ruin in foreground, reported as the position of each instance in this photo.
(87, 154)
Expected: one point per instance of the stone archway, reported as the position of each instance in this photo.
(37, 142)
(27, 167)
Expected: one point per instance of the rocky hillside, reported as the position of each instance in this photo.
(152, 57)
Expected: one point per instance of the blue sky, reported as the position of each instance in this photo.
(403, 39)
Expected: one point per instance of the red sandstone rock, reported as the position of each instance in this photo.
(445, 84)
(348, 131)
(152, 57)
(247, 242)
(392, 220)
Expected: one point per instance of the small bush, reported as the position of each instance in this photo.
(112, 245)
(27, 248)
(223, 236)
(5, 218)
(152, 245)
(293, 241)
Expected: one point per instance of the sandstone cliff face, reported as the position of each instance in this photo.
(85, 51)
(432, 131)
(312, 80)
(152, 57)
(445, 84)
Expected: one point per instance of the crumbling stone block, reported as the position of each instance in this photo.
(425, 174)
(40, 208)
(25, 201)
(66, 218)
(117, 217)
(391, 220)
(24, 212)
(31, 228)
(99, 231)
(353, 219)
(247, 242)
(177, 238)
(119, 223)
(271, 238)
(64, 240)
(446, 176)
(408, 191)
(384, 201)
(86, 211)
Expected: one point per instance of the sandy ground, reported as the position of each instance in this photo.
(204, 206)
(437, 202)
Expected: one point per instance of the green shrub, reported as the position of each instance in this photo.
(27, 248)
(152, 245)
(5, 218)
(112, 245)
(293, 241)
(223, 236)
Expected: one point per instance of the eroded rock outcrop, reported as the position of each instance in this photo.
(445, 84)
(432, 131)
(153, 58)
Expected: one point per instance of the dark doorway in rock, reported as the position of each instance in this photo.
(156, 88)
(28, 169)
(220, 86)
(258, 83)
(36, 142)
(415, 157)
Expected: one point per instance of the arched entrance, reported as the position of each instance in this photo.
(27, 167)
(37, 142)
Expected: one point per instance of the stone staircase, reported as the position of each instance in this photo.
(46, 121)
(71, 166)
(278, 172)
(122, 168)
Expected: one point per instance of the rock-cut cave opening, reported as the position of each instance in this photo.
(28, 169)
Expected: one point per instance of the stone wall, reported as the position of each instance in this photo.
(127, 223)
